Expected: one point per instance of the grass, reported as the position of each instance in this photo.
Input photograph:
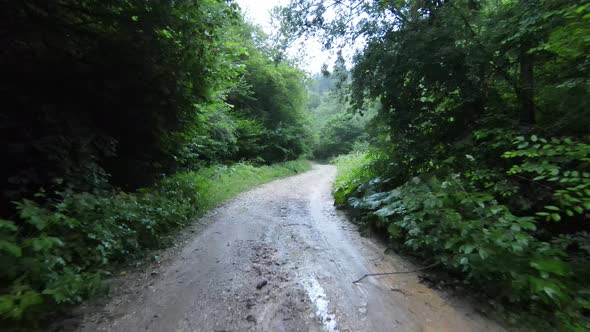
(353, 169)
(219, 183)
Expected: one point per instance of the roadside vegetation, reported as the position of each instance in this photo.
(79, 236)
(218, 183)
(479, 157)
(336, 130)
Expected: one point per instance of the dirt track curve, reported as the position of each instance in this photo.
(281, 258)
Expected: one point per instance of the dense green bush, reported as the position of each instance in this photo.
(274, 123)
(339, 130)
(353, 169)
(493, 233)
(91, 85)
(60, 250)
(111, 92)
(561, 165)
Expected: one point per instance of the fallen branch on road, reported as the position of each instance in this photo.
(399, 272)
(399, 291)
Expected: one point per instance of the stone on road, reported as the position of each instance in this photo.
(281, 258)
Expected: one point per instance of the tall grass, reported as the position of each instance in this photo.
(219, 183)
(353, 169)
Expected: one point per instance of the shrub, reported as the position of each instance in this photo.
(491, 229)
(353, 169)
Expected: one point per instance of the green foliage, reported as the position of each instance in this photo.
(338, 129)
(94, 80)
(218, 183)
(482, 243)
(515, 232)
(561, 166)
(353, 169)
(109, 92)
(63, 249)
(339, 135)
(274, 104)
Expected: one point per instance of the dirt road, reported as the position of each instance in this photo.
(281, 258)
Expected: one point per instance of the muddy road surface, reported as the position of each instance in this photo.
(281, 258)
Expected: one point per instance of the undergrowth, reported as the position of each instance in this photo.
(353, 169)
(57, 254)
(489, 229)
(217, 184)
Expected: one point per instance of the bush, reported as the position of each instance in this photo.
(353, 169)
(478, 226)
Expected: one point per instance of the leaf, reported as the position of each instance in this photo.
(43, 243)
(468, 248)
(15, 305)
(483, 253)
(8, 225)
(7, 306)
(551, 265)
(547, 287)
(555, 217)
(496, 209)
(528, 225)
(553, 293)
(30, 212)
(393, 230)
(11, 248)
(386, 211)
(451, 242)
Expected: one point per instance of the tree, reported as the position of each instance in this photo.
(96, 87)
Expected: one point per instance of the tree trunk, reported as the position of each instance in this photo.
(527, 93)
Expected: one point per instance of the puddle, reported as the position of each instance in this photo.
(318, 297)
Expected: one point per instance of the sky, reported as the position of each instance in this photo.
(258, 12)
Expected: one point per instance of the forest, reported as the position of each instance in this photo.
(460, 130)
